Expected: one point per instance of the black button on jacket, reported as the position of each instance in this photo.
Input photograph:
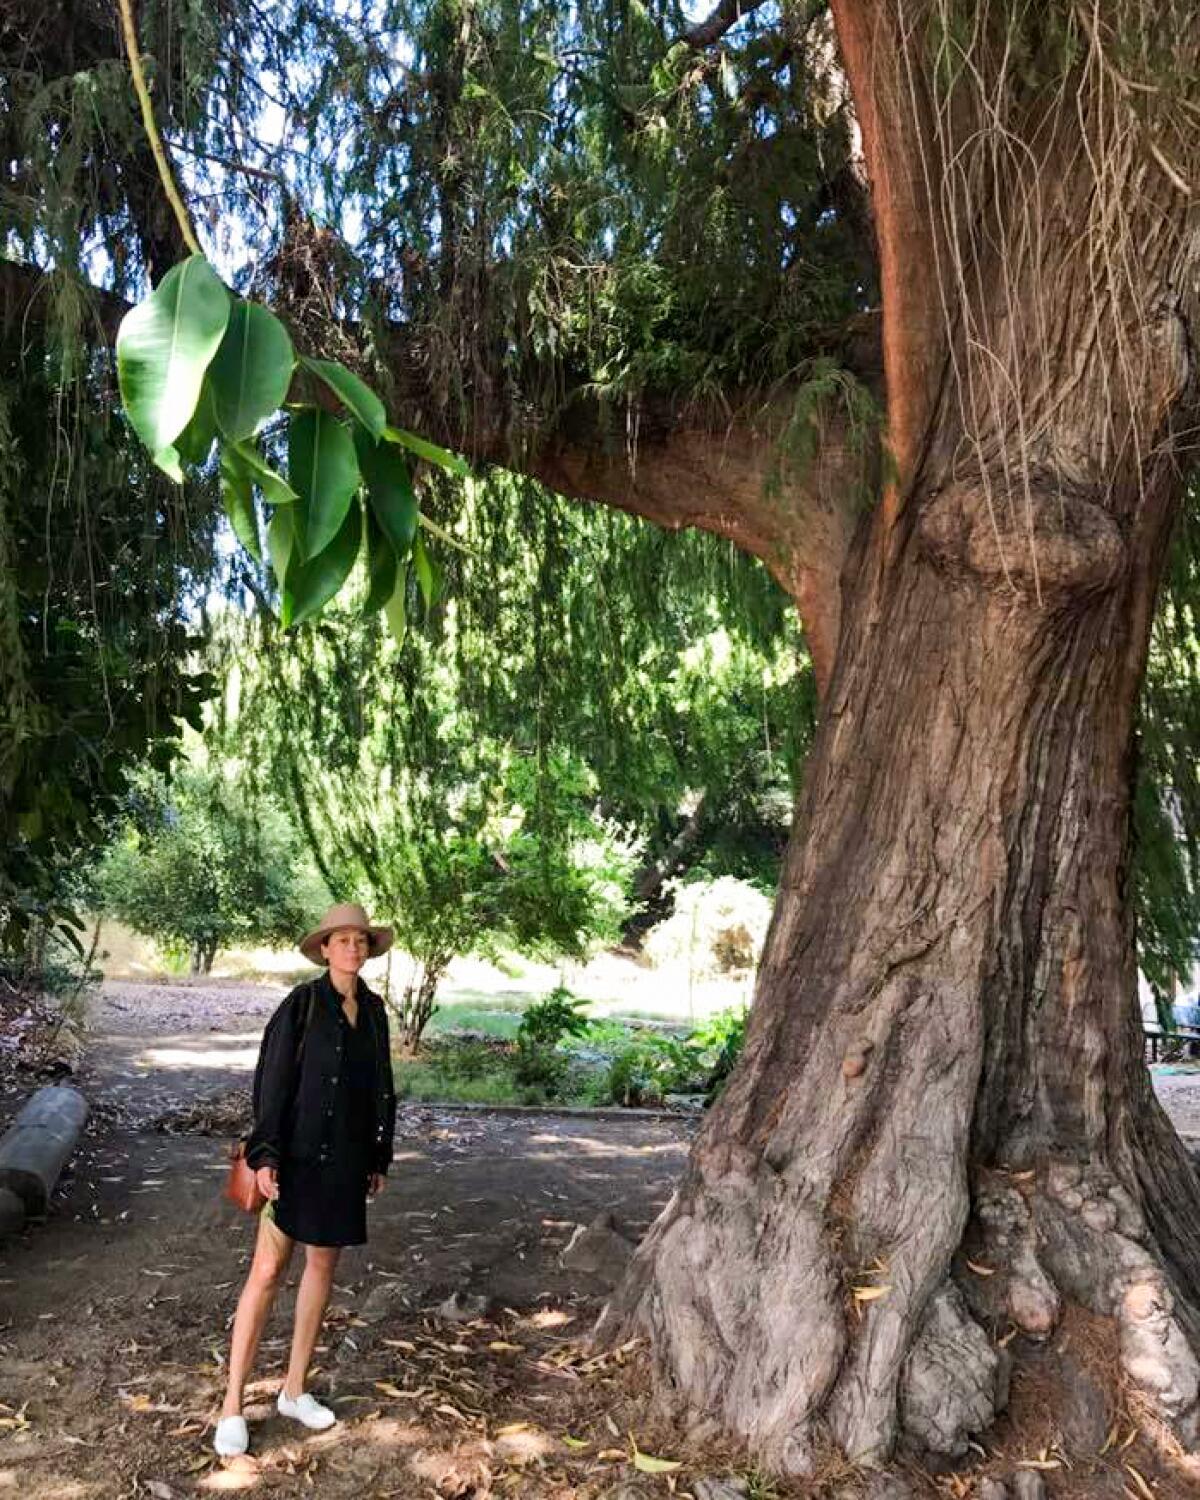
(294, 1107)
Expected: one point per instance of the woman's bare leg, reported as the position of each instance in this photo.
(272, 1251)
(320, 1262)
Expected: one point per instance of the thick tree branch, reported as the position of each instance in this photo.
(724, 18)
(727, 477)
(899, 143)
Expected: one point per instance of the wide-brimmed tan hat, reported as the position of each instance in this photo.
(346, 914)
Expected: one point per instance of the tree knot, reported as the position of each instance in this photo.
(1038, 538)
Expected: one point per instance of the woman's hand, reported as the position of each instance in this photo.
(268, 1183)
(375, 1184)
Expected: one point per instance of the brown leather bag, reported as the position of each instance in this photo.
(241, 1183)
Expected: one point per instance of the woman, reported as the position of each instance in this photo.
(324, 1116)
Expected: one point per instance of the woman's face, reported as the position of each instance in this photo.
(346, 950)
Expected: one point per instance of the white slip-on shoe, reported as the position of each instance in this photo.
(231, 1437)
(307, 1409)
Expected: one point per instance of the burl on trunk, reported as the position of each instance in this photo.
(944, 1059)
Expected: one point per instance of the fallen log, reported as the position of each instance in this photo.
(37, 1144)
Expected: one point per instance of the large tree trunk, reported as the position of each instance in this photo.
(944, 1059)
(945, 1047)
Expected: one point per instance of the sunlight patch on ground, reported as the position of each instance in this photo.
(196, 1057)
(571, 1145)
(551, 1317)
(241, 1473)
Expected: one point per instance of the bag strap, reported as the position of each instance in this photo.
(310, 999)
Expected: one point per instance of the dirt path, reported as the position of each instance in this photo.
(113, 1314)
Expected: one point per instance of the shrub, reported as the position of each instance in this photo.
(648, 1067)
(719, 1041)
(206, 862)
(538, 1063)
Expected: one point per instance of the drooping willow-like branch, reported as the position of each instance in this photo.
(141, 88)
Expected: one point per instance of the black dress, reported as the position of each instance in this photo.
(325, 1202)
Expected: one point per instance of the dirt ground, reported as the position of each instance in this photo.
(114, 1312)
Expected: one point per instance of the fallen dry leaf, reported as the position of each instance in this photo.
(646, 1463)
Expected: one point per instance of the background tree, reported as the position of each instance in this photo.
(95, 645)
(204, 866)
(465, 840)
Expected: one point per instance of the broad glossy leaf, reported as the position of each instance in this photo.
(355, 394)
(389, 490)
(381, 558)
(251, 371)
(237, 495)
(194, 443)
(323, 469)
(430, 452)
(396, 609)
(164, 346)
(274, 486)
(429, 575)
(167, 460)
(281, 546)
(313, 583)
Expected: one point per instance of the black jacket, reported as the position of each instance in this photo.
(293, 1109)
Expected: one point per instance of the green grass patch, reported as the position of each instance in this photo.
(499, 1019)
(427, 1083)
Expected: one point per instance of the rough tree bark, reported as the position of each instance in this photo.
(944, 1056)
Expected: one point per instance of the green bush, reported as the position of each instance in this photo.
(468, 1061)
(605, 1036)
(538, 1062)
(649, 1067)
(719, 1042)
(434, 1083)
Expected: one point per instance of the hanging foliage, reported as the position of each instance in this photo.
(197, 366)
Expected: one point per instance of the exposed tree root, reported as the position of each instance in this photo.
(798, 1353)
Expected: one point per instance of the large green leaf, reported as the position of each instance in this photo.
(313, 583)
(251, 371)
(389, 489)
(274, 486)
(381, 558)
(167, 460)
(282, 548)
(396, 609)
(237, 494)
(194, 443)
(429, 575)
(322, 467)
(355, 394)
(164, 346)
(428, 451)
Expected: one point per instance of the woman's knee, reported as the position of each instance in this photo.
(272, 1254)
(267, 1271)
(321, 1260)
